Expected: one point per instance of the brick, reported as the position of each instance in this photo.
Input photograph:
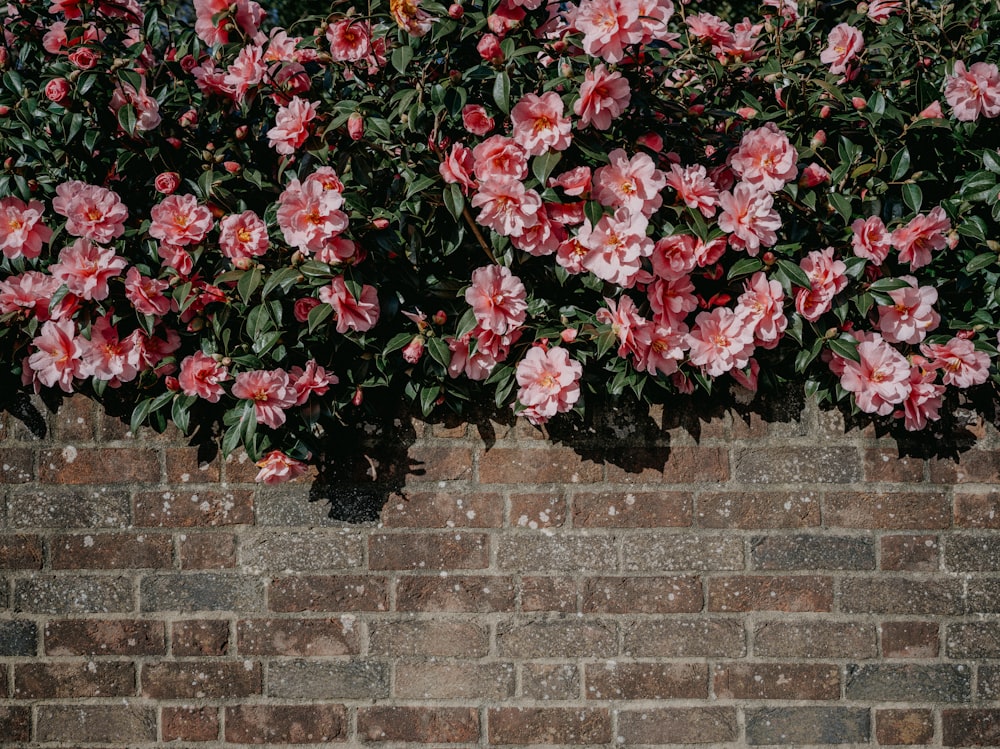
(988, 682)
(427, 638)
(184, 465)
(21, 552)
(904, 727)
(910, 553)
(17, 465)
(770, 593)
(302, 637)
(431, 463)
(678, 725)
(329, 679)
(65, 509)
(632, 510)
(977, 509)
(808, 725)
(15, 723)
(99, 465)
(550, 681)
(290, 724)
(74, 421)
(801, 465)
(814, 639)
(645, 681)
(292, 505)
(888, 510)
(193, 509)
(877, 595)
(776, 681)
(202, 591)
(3, 681)
(537, 510)
(972, 553)
(645, 595)
(556, 638)
(891, 682)
(662, 552)
(443, 510)
(18, 637)
(547, 465)
(550, 593)
(111, 551)
(302, 551)
(438, 725)
(681, 464)
(199, 637)
(910, 640)
(813, 552)
(189, 723)
(984, 595)
(558, 553)
(691, 637)
(454, 680)
(206, 679)
(94, 723)
(207, 551)
(757, 510)
(887, 465)
(107, 637)
(973, 466)
(77, 594)
(440, 551)
(64, 680)
(328, 593)
(548, 725)
(454, 594)
(970, 727)
(973, 640)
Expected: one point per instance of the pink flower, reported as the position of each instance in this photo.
(179, 221)
(146, 294)
(541, 239)
(634, 184)
(247, 70)
(974, 91)
(608, 26)
(603, 97)
(659, 349)
(870, 239)
(765, 158)
(29, 293)
(844, 44)
(58, 356)
(549, 383)
(91, 212)
(762, 304)
(911, 316)
(498, 156)
(242, 236)
(107, 356)
(410, 17)
(350, 40)
(498, 299)
(720, 341)
(271, 392)
(616, 246)
(475, 119)
(813, 175)
(625, 322)
(147, 109)
(313, 380)
(200, 376)
(167, 182)
(476, 354)
(960, 364)
(86, 268)
(176, 257)
(57, 90)
(276, 468)
(352, 313)
(924, 233)
(539, 124)
(489, 50)
(924, 401)
(711, 29)
(827, 278)
(457, 167)
(748, 215)
(507, 207)
(932, 111)
(880, 10)
(309, 214)
(695, 188)
(291, 125)
(246, 14)
(414, 350)
(22, 232)
(880, 380)
(671, 300)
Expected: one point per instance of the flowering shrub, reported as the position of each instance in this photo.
(258, 226)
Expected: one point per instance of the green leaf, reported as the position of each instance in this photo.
(744, 267)
(126, 118)
(428, 399)
(543, 165)
(283, 278)
(401, 57)
(139, 414)
(419, 184)
(845, 346)
(318, 315)
(888, 284)
(249, 283)
(900, 164)
(842, 204)
(913, 197)
(439, 351)
(454, 201)
(981, 261)
(991, 160)
(794, 273)
(593, 211)
(501, 91)
(973, 227)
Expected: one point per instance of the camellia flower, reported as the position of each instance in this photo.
(616, 246)
(604, 96)
(313, 380)
(91, 212)
(671, 299)
(844, 45)
(147, 109)
(276, 468)
(291, 125)
(22, 232)
(695, 188)
(180, 221)
(880, 380)
(246, 14)
(30, 293)
(499, 156)
(974, 91)
(107, 356)
(309, 214)
(827, 278)
(960, 363)
(352, 313)
(880, 10)
(920, 236)
(720, 341)
(911, 316)
(498, 299)
(410, 17)
(539, 124)
(457, 167)
(765, 158)
(243, 235)
(475, 119)
(350, 40)
(608, 26)
(86, 268)
(58, 355)
(271, 392)
(748, 215)
(200, 376)
(762, 304)
(549, 383)
(146, 294)
(508, 208)
(247, 70)
(870, 239)
(634, 184)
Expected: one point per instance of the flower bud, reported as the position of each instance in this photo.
(652, 141)
(489, 49)
(241, 132)
(231, 166)
(414, 349)
(171, 383)
(356, 126)
(303, 307)
(4, 110)
(440, 317)
(859, 103)
(380, 223)
(57, 90)
(167, 182)
(188, 119)
(84, 58)
(818, 139)
(824, 112)
(455, 11)
(568, 335)
(358, 397)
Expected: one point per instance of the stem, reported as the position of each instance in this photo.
(467, 215)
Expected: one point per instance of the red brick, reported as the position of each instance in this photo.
(539, 725)
(328, 593)
(207, 551)
(185, 467)
(66, 680)
(891, 510)
(15, 723)
(200, 637)
(557, 638)
(441, 725)
(977, 509)
(776, 681)
(757, 510)
(440, 551)
(112, 551)
(454, 594)
(971, 727)
(767, 593)
(17, 465)
(211, 679)
(911, 553)
(974, 466)
(430, 463)
(904, 727)
(21, 552)
(632, 510)
(882, 465)
(548, 594)
(678, 725)
(537, 510)
(119, 724)
(550, 681)
(815, 639)
(189, 723)
(99, 465)
(542, 465)
(646, 681)
(75, 419)
(443, 510)
(193, 509)
(910, 640)
(896, 595)
(644, 595)
(685, 637)
(111, 637)
(428, 638)
(680, 464)
(290, 724)
(302, 637)
(454, 680)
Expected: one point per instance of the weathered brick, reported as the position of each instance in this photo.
(904, 727)
(984, 595)
(454, 680)
(288, 724)
(193, 509)
(21, 552)
(302, 551)
(556, 638)
(328, 593)
(889, 510)
(302, 637)
(15, 723)
(910, 639)
(428, 638)
(105, 637)
(972, 553)
(446, 463)
(454, 594)
(971, 727)
(690, 637)
(814, 639)
(756, 510)
(560, 553)
(207, 551)
(676, 552)
(77, 594)
(770, 593)
(443, 510)
(111, 551)
(202, 591)
(988, 682)
(972, 466)
(892, 595)
(887, 465)
(615, 680)
(644, 595)
(99, 465)
(678, 725)
(805, 465)
(548, 465)
(189, 723)
(776, 681)
(549, 593)
(199, 637)
(440, 551)
(293, 505)
(17, 465)
(632, 510)
(550, 681)
(814, 552)
(808, 725)
(977, 509)
(892, 682)
(359, 679)
(64, 680)
(973, 640)
(678, 464)
(437, 725)
(117, 724)
(184, 465)
(545, 510)
(18, 637)
(548, 725)
(910, 553)
(205, 679)
(74, 421)
(65, 509)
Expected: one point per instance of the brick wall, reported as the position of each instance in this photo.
(719, 579)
